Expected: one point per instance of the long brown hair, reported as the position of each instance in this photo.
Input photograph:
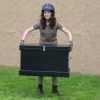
(52, 20)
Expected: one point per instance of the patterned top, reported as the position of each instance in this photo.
(48, 34)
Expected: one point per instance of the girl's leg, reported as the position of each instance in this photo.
(40, 86)
(54, 80)
(54, 85)
(40, 79)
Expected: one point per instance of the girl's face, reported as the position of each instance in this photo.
(47, 14)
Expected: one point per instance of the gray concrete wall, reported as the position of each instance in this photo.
(81, 17)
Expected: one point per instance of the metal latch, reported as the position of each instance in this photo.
(44, 48)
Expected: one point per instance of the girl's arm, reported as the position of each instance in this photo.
(67, 32)
(30, 29)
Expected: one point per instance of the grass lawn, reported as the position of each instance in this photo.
(76, 87)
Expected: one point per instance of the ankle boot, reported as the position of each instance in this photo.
(40, 88)
(54, 89)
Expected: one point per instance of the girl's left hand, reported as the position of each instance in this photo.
(22, 42)
(70, 44)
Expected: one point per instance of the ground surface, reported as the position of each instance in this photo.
(76, 87)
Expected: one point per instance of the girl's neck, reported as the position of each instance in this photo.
(47, 22)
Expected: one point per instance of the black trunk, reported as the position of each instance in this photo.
(44, 60)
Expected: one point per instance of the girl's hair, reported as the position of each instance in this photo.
(52, 20)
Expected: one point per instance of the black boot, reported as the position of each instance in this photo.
(54, 89)
(40, 88)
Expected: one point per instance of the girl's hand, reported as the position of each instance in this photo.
(70, 44)
(22, 42)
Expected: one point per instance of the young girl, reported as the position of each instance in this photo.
(48, 26)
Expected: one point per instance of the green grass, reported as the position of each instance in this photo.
(76, 87)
